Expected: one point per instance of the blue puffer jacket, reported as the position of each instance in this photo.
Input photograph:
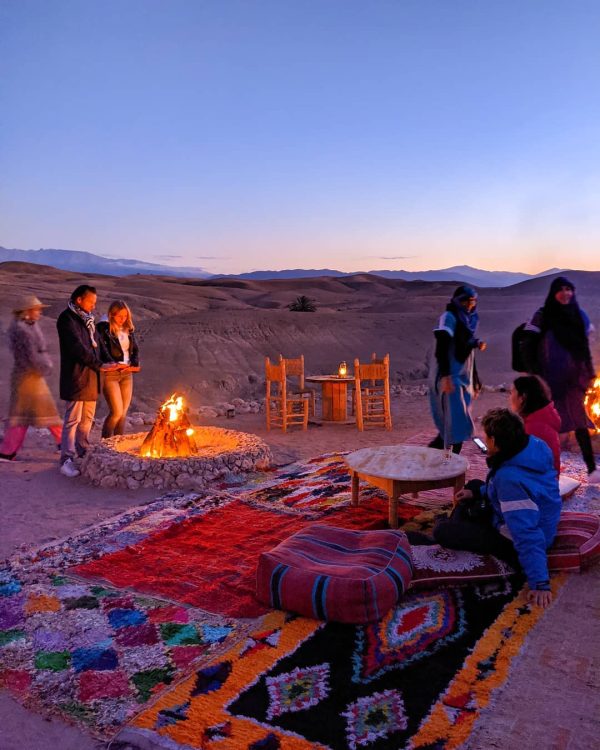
(524, 495)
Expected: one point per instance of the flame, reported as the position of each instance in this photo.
(171, 434)
(592, 402)
(174, 405)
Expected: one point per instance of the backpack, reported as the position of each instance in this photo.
(521, 345)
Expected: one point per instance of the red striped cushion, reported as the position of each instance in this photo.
(577, 542)
(336, 574)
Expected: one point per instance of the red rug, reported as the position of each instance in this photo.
(210, 561)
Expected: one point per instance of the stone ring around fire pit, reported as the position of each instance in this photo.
(116, 461)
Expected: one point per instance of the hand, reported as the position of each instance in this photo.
(446, 384)
(541, 599)
(482, 346)
(463, 495)
(109, 366)
(134, 368)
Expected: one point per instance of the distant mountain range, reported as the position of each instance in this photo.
(462, 274)
(82, 262)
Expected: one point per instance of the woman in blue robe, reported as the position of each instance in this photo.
(454, 380)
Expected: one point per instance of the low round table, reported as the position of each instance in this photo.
(402, 469)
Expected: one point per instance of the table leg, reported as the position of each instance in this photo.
(459, 483)
(393, 507)
(354, 482)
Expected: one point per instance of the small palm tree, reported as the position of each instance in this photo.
(302, 304)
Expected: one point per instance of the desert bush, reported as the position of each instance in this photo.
(302, 304)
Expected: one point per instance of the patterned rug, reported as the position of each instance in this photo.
(401, 683)
(209, 561)
(96, 655)
(98, 647)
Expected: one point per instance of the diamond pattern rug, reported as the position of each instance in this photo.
(400, 683)
(96, 655)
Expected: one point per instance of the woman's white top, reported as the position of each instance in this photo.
(124, 341)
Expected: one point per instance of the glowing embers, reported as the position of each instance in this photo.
(592, 403)
(172, 434)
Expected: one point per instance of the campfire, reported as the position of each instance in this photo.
(172, 434)
(592, 403)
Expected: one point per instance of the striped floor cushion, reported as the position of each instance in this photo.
(577, 542)
(329, 573)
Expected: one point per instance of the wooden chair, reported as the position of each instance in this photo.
(372, 393)
(282, 409)
(294, 367)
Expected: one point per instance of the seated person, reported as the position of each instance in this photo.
(530, 397)
(514, 513)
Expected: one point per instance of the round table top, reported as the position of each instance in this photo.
(329, 378)
(408, 463)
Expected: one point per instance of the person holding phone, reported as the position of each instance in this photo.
(118, 346)
(454, 380)
(513, 514)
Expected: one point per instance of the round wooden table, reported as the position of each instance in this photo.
(402, 469)
(334, 397)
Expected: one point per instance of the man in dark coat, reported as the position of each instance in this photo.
(79, 374)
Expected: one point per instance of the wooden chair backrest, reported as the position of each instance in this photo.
(274, 372)
(374, 370)
(294, 366)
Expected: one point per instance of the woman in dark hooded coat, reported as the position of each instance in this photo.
(558, 349)
(454, 379)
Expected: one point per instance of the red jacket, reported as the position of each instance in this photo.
(545, 424)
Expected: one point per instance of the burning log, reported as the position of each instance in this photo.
(592, 403)
(172, 434)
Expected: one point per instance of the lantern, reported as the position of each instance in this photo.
(342, 370)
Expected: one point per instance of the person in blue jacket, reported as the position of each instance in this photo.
(454, 380)
(514, 513)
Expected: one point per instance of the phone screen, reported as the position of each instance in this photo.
(480, 444)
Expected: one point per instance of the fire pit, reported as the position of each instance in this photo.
(592, 403)
(174, 454)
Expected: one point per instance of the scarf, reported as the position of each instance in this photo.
(87, 318)
(464, 336)
(566, 322)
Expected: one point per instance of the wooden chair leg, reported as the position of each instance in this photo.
(359, 411)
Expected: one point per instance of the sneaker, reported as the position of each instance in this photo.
(7, 456)
(68, 469)
(594, 477)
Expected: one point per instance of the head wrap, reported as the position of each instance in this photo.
(464, 337)
(566, 321)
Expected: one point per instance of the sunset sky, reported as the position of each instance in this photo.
(357, 135)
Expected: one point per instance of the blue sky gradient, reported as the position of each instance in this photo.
(273, 134)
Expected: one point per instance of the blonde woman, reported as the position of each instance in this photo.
(31, 403)
(118, 346)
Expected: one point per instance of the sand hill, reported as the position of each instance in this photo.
(209, 337)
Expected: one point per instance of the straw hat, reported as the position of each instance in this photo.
(29, 302)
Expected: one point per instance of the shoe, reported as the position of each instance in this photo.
(594, 477)
(7, 456)
(68, 469)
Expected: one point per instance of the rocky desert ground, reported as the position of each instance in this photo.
(209, 339)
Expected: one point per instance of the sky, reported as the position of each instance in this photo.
(235, 135)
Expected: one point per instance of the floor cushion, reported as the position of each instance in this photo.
(336, 574)
(577, 542)
(434, 565)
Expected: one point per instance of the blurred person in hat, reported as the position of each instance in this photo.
(31, 403)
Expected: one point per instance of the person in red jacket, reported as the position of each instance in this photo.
(530, 398)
